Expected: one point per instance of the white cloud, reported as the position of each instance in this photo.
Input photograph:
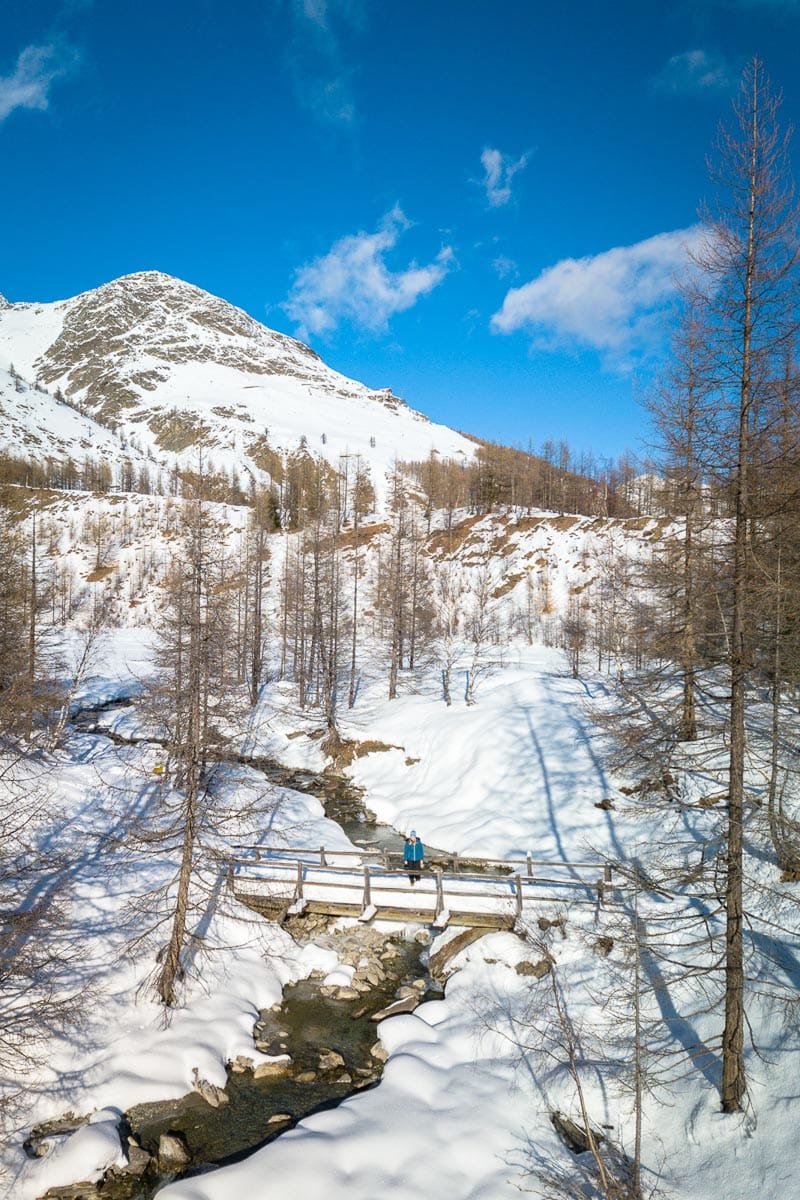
(37, 68)
(694, 71)
(614, 302)
(353, 283)
(317, 59)
(499, 170)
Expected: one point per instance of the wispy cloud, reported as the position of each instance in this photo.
(614, 302)
(353, 283)
(322, 76)
(695, 71)
(498, 172)
(505, 267)
(37, 68)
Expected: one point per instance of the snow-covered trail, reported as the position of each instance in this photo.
(518, 771)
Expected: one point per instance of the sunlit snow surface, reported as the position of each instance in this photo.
(458, 1113)
(146, 347)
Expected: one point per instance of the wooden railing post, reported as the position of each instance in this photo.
(367, 887)
(298, 893)
(529, 859)
(518, 893)
(455, 864)
(439, 894)
(607, 872)
(323, 862)
(601, 892)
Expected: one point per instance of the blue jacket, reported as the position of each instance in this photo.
(413, 851)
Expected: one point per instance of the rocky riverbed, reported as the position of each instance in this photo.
(322, 1046)
(320, 1042)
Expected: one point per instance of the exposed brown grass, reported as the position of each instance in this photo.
(563, 523)
(345, 752)
(265, 458)
(450, 540)
(101, 573)
(508, 585)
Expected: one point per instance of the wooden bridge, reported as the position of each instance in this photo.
(373, 885)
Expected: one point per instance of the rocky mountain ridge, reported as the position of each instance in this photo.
(176, 371)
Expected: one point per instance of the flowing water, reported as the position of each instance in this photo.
(312, 1028)
(308, 1027)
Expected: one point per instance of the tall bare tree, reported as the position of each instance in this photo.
(191, 699)
(746, 276)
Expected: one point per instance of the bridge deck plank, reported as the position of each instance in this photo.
(383, 912)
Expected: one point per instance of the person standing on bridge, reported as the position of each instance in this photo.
(414, 856)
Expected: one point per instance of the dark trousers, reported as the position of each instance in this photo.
(413, 869)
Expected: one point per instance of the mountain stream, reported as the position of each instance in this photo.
(328, 1040)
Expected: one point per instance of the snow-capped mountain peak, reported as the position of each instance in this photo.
(178, 370)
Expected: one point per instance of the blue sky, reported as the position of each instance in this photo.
(479, 203)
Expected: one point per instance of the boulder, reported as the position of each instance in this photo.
(330, 1060)
(74, 1191)
(211, 1093)
(405, 1004)
(538, 969)
(274, 1066)
(347, 993)
(379, 1052)
(35, 1145)
(241, 1064)
(572, 1135)
(138, 1162)
(439, 960)
(173, 1152)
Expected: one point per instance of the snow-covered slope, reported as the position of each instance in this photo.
(178, 370)
(34, 424)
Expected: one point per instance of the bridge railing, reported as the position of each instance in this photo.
(368, 879)
(457, 864)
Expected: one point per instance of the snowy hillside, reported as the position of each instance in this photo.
(458, 663)
(119, 546)
(178, 371)
(35, 425)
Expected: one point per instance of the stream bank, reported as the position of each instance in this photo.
(321, 1041)
(322, 1046)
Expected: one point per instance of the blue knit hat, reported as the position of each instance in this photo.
(413, 833)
